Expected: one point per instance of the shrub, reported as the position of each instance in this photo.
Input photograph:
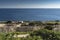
(49, 27)
(46, 34)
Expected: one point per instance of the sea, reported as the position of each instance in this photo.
(29, 14)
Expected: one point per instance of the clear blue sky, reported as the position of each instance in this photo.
(29, 4)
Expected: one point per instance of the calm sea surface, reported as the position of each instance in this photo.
(29, 14)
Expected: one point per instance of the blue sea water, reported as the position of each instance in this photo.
(29, 14)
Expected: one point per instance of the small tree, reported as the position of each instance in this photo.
(9, 22)
(31, 24)
(49, 27)
(56, 23)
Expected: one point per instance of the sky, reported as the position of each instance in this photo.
(29, 3)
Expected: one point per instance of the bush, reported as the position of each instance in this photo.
(46, 34)
(49, 27)
(42, 34)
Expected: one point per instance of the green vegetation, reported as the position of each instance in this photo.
(42, 34)
(37, 23)
(49, 27)
(46, 33)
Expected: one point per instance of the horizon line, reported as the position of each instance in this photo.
(29, 8)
